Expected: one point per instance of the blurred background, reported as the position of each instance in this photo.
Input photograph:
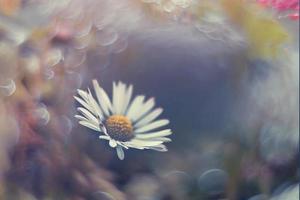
(226, 73)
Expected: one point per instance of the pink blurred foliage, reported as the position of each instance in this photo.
(282, 6)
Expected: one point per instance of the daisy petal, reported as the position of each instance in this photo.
(95, 106)
(135, 147)
(103, 98)
(153, 125)
(83, 103)
(89, 125)
(127, 99)
(122, 97)
(103, 128)
(122, 145)
(161, 148)
(112, 143)
(162, 133)
(81, 118)
(104, 137)
(145, 108)
(88, 115)
(135, 106)
(120, 152)
(162, 139)
(143, 143)
(149, 118)
(116, 97)
(83, 94)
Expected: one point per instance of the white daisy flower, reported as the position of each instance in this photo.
(124, 123)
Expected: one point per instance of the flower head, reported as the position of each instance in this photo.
(125, 123)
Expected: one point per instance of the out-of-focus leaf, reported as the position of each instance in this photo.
(264, 33)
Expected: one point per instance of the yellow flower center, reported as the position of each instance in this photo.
(119, 128)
